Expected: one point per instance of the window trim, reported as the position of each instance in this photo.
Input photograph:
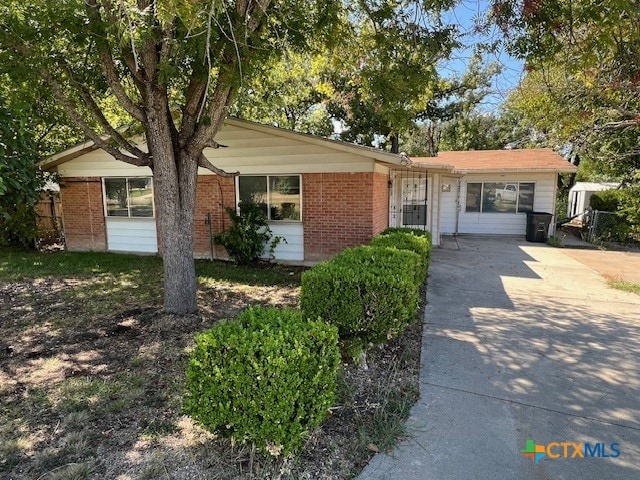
(267, 175)
(128, 217)
(481, 200)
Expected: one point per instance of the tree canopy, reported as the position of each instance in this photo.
(583, 80)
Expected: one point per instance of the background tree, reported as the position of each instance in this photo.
(286, 94)
(384, 76)
(30, 128)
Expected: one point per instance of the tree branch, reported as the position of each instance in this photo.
(69, 108)
(216, 113)
(194, 96)
(108, 64)
(128, 56)
(205, 163)
(249, 17)
(99, 115)
(635, 122)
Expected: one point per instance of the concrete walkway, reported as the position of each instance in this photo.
(521, 342)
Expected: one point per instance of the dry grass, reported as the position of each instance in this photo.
(91, 376)
(619, 284)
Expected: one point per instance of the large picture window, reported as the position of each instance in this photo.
(128, 197)
(500, 197)
(279, 196)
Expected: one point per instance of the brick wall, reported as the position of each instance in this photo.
(380, 202)
(342, 210)
(83, 214)
(214, 193)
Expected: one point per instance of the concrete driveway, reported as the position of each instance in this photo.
(521, 342)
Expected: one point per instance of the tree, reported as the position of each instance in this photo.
(582, 89)
(383, 77)
(173, 68)
(20, 181)
(286, 94)
(583, 82)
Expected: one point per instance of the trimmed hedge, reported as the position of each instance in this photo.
(267, 377)
(420, 244)
(369, 293)
(412, 231)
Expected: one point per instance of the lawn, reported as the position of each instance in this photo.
(91, 374)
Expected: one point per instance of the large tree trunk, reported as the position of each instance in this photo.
(175, 177)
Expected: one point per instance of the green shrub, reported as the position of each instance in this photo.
(369, 293)
(606, 200)
(248, 235)
(413, 231)
(266, 377)
(420, 244)
(18, 226)
(630, 207)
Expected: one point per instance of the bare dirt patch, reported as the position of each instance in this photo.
(97, 392)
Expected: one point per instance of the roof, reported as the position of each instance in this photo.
(370, 152)
(499, 161)
(593, 186)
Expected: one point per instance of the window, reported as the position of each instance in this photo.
(474, 194)
(128, 197)
(500, 197)
(277, 195)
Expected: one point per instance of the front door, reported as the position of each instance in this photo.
(409, 200)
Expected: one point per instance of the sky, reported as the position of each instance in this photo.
(464, 15)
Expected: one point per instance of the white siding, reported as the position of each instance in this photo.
(131, 235)
(293, 248)
(245, 150)
(507, 223)
(448, 206)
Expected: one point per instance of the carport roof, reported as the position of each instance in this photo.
(491, 161)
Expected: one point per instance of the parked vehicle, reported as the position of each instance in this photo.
(508, 194)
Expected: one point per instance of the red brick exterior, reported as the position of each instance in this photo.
(341, 210)
(380, 202)
(83, 214)
(213, 195)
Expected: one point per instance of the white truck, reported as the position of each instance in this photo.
(507, 194)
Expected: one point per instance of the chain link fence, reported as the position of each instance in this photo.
(606, 227)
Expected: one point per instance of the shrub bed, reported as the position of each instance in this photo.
(413, 231)
(369, 293)
(267, 377)
(407, 240)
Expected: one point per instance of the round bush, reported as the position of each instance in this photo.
(267, 377)
(419, 244)
(369, 293)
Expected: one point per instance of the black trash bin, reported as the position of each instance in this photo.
(538, 226)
